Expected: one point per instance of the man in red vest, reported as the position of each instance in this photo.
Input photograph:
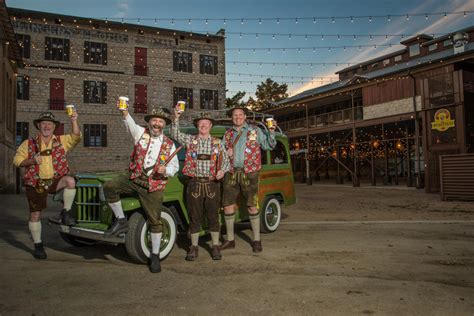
(46, 169)
(243, 143)
(150, 167)
(205, 164)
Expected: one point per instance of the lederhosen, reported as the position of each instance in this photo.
(37, 189)
(148, 187)
(203, 193)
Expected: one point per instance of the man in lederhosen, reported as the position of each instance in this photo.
(205, 164)
(243, 143)
(148, 174)
(44, 158)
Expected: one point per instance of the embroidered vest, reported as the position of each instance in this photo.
(190, 162)
(252, 154)
(58, 155)
(156, 182)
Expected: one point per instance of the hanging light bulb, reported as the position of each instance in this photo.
(389, 18)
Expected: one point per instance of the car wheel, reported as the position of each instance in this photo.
(77, 241)
(138, 240)
(271, 214)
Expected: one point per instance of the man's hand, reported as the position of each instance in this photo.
(230, 152)
(177, 113)
(37, 160)
(162, 169)
(124, 112)
(220, 175)
(74, 116)
(273, 128)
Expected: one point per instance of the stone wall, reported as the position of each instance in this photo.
(120, 78)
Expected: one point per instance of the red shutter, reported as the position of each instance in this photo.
(140, 61)
(56, 94)
(140, 98)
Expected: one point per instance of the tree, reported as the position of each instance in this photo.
(268, 92)
(235, 100)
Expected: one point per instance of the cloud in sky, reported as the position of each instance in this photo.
(123, 8)
(442, 25)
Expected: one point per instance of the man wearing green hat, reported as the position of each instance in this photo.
(243, 143)
(151, 163)
(205, 164)
(46, 171)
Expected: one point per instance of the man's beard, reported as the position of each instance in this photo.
(158, 127)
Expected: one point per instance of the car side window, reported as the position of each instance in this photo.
(278, 155)
(264, 156)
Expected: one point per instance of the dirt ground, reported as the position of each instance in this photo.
(339, 251)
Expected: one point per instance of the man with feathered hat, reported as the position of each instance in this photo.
(243, 143)
(46, 171)
(205, 164)
(151, 163)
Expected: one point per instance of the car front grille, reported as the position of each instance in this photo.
(88, 202)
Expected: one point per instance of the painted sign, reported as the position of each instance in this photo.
(442, 120)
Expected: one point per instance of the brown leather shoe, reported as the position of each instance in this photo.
(192, 253)
(216, 253)
(228, 244)
(257, 246)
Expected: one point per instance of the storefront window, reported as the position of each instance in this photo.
(441, 90)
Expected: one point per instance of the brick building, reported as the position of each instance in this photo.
(10, 60)
(391, 118)
(90, 62)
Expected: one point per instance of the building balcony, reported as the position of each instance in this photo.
(139, 70)
(56, 104)
(323, 120)
(140, 108)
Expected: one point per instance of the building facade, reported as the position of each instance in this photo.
(90, 63)
(10, 60)
(387, 120)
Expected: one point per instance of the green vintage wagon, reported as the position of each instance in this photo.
(276, 189)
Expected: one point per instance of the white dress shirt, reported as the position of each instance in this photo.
(136, 131)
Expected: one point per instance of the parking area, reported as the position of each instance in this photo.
(339, 250)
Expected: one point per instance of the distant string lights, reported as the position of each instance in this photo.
(295, 20)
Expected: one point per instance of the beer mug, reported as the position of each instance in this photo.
(269, 122)
(181, 106)
(123, 103)
(70, 109)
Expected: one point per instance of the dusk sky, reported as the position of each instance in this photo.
(284, 33)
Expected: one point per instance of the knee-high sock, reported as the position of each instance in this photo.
(195, 239)
(215, 238)
(68, 197)
(255, 223)
(35, 230)
(229, 226)
(117, 209)
(155, 242)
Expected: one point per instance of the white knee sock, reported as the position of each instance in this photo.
(255, 223)
(215, 238)
(68, 198)
(117, 209)
(195, 239)
(229, 225)
(155, 242)
(35, 230)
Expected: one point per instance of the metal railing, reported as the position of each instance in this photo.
(324, 120)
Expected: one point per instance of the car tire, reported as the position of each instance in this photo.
(270, 214)
(138, 241)
(77, 241)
